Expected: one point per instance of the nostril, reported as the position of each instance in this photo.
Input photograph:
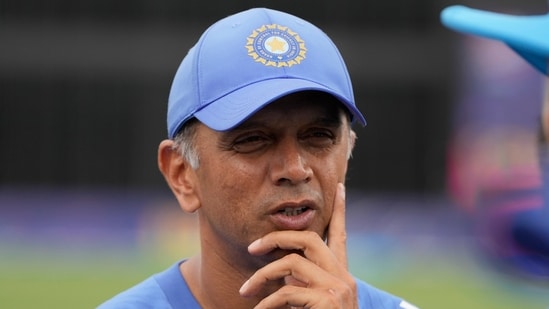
(282, 181)
(292, 181)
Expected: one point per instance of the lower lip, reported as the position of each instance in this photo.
(299, 222)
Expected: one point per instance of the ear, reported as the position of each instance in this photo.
(179, 175)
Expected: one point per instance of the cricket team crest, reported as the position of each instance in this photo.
(276, 46)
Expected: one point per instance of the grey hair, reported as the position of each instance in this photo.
(184, 144)
(351, 145)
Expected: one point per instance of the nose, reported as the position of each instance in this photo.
(289, 165)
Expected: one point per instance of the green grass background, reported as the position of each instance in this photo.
(80, 266)
(32, 278)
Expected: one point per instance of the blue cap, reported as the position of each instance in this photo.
(527, 35)
(247, 60)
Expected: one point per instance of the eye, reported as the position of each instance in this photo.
(321, 133)
(250, 142)
(319, 137)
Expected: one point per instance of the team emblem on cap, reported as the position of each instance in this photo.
(276, 46)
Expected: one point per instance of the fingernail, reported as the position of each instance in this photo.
(254, 245)
(244, 287)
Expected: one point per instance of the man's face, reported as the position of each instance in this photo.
(276, 171)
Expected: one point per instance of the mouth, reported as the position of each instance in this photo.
(293, 211)
(293, 216)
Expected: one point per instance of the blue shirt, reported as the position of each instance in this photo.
(168, 289)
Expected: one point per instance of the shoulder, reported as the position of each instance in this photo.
(372, 297)
(166, 289)
(146, 294)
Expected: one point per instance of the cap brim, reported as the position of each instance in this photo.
(234, 108)
(527, 35)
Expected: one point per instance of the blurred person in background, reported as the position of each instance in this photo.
(259, 126)
(508, 188)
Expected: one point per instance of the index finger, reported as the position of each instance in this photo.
(337, 235)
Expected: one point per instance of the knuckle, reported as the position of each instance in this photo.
(286, 291)
(310, 236)
(293, 258)
(333, 298)
(342, 294)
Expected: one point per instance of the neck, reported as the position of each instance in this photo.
(215, 279)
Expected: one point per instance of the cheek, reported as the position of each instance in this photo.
(228, 195)
(332, 169)
(237, 179)
(331, 172)
(228, 174)
(227, 187)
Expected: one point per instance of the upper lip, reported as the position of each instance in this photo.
(304, 203)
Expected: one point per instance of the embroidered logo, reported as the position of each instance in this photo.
(276, 46)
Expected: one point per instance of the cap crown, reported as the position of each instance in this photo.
(247, 60)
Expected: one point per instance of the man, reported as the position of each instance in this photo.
(259, 126)
(527, 229)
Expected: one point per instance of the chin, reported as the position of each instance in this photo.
(277, 254)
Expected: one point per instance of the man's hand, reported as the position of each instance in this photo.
(319, 279)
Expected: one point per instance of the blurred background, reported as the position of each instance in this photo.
(84, 212)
